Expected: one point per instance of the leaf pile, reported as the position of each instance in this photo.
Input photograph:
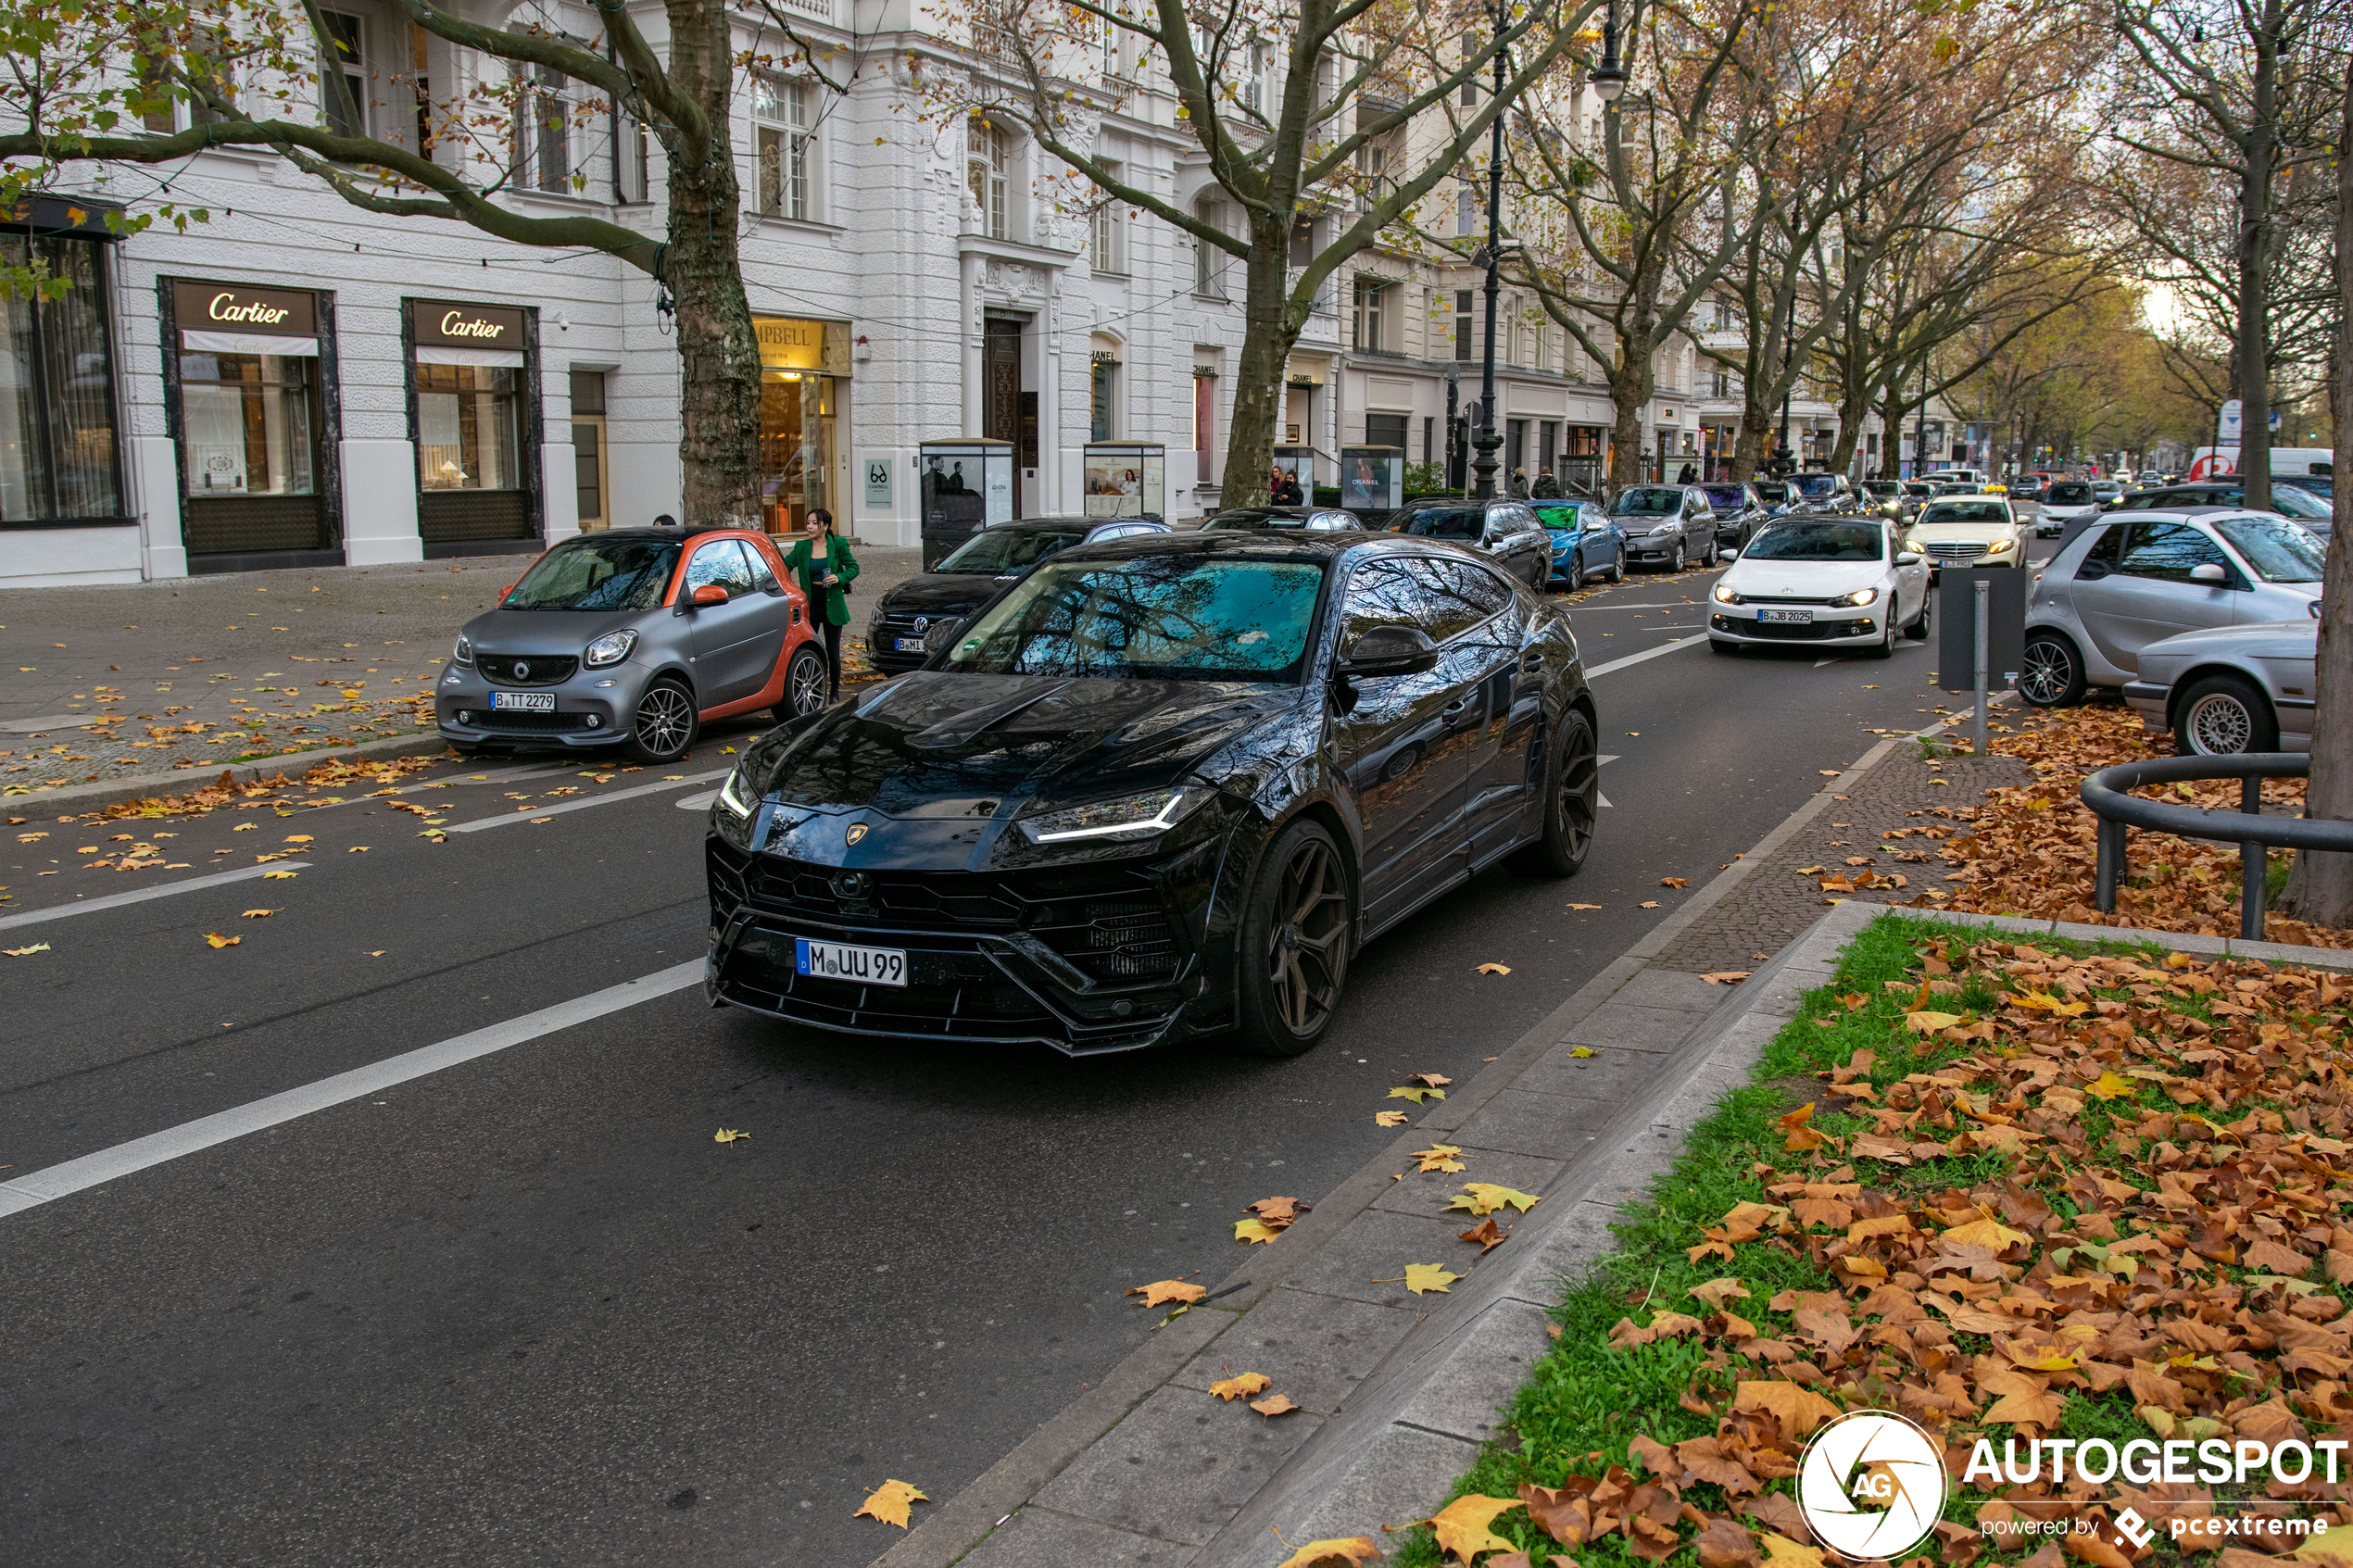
(2034, 847)
(2102, 1196)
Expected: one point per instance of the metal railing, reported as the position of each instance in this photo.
(2108, 794)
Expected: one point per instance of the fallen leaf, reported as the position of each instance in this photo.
(379, 952)
(1276, 1211)
(1674, 882)
(1253, 1231)
(217, 941)
(1927, 1022)
(1495, 968)
(1231, 1389)
(1162, 1291)
(1389, 1118)
(279, 876)
(1429, 1080)
(1462, 1526)
(1794, 1406)
(1782, 1552)
(1582, 1052)
(890, 1502)
(1648, 904)
(259, 914)
(1584, 905)
(1485, 1197)
(2109, 1086)
(1727, 976)
(26, 952)
(729, 1135)
(1828, 773)
(1423, 1278)
(1274, 1405)
(1350, 1551)
(1417, 1094)
(1486, 1234)
(357, 850)
(1438, 1157)
(297, 838)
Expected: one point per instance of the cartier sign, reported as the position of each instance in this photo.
(234, 307)
(439, 324)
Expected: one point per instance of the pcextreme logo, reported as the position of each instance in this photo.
(1871, 1485)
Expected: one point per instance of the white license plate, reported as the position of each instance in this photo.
(1793, 617)
(908, 644)
(523, 702)
(839, 960)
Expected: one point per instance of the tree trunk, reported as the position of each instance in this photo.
(1757, 423)
(1851, 414)
(2319, 888)
(1267, 337)
(1890, 414)
(2253, 267)
(717, 355)
(1631, 387)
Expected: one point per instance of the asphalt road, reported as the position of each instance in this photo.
(524, 1309)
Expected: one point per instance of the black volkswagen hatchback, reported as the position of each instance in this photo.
(974, 571)
(1163, 787)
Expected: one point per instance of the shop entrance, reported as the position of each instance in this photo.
(795, 446)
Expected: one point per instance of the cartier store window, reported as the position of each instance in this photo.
(58, 459)
(469, 375)
(249, 419)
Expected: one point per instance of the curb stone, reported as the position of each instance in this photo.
(993, 1522)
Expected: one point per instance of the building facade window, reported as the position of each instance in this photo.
(1102, 389)
(345, 112)
(469, 376)
(781, 138)
(57, 446)
(1209, 260)
(589, 479)
(1109, 252)
(1385, 429)
(543, 129)
(250, 421)
(985, 174)
(1372, 314)
(1463, 334)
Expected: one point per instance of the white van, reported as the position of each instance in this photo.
(2211, 462)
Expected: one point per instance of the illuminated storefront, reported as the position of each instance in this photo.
(800, 365)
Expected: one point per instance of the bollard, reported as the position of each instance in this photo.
(1984, 609)
(2110, 871)
(2253, 863)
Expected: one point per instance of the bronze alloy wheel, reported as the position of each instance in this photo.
(1308, 953)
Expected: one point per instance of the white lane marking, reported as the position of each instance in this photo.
(1648, 604)
(1606, 758)
(116, 901)
(1829, 659)
(1603, 798)
(698, 801)
(525, 816)
(190, 1137)
(1638, 657)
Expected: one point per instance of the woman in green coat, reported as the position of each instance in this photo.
(824, 565)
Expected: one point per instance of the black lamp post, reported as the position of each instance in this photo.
(1782, 465)
(1608, 79)
(1486, 441)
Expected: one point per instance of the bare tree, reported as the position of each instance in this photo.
(1325, 122)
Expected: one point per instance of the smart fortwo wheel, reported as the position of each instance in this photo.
(804, 685)
(663, 726)
(1295, 934)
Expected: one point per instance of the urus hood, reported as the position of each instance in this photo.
(939, 752)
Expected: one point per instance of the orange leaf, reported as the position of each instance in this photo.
(890, 1502)
(1462, 1526)
(1796, 1407)
(1162, 1291)
(1351, 1552)
(1274, 1405)
(1232, 1388)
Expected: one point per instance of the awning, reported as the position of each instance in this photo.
(250, 343)
(511, 357)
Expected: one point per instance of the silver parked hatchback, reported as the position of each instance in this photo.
(2138, 578)
(633, 637)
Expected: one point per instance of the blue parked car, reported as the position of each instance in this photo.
(1587, 543)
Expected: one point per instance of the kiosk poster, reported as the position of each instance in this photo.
(1372, 478)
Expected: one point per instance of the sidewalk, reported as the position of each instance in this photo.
(1397, 1392)
(187, 674)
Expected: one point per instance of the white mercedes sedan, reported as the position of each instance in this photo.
(1835, 582)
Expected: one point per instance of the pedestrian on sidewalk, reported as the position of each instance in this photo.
(1547, 487)
(825, 566)
(1519, 484)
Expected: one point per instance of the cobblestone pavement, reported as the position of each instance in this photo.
(1783, 896)
(194, 672)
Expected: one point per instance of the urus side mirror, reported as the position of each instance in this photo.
(1390, 650)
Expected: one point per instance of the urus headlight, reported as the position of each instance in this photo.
(736, 796)
(1862, 597)
(1136, 816)
(610, 648)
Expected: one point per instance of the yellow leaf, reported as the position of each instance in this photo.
(1648, 904)
(1252, 1230)
(297, 838)
(2108, 1086)
(1584, 905)
(1495, 968)
(219, 940)
(729, 1135)
(1438, 1157)
(1727, 976)
(1582, 1052)
(1485, 1197)
(1423, 1278)
(1389, 1118)
(1782, 1552)
(1674, 882)
(1796, 1407)
(279, 876)
(26, 952)
(259, 914)
(1415, 1093)
(889, 1502)
(1351, 1552)
(357, 850)
(1162, 1291)
(1715, 1292)
(1926, 1022)
(1462, 1527)
(1232, 1388)
(1274, 1405)
(1987, 1231)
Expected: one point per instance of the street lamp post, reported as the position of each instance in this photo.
(1782, 466)
(1608, 79)
(1486, 441)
